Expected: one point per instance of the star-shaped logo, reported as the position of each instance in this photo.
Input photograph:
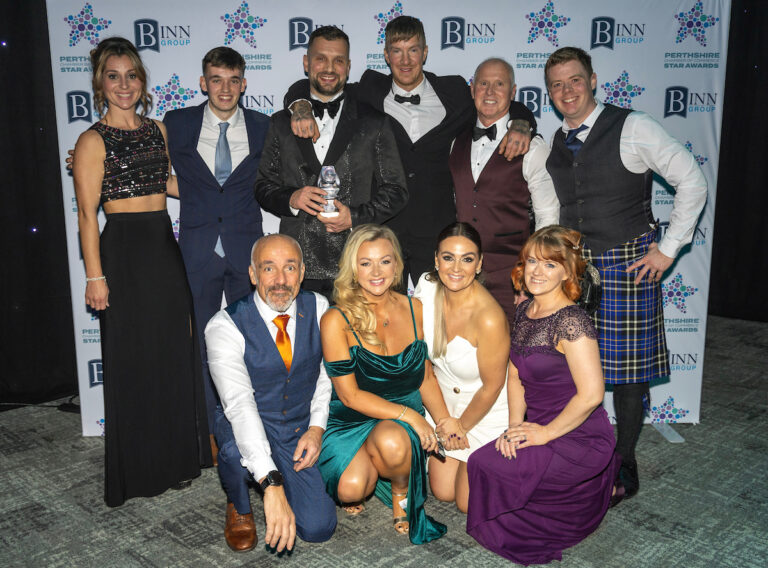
(383, 18)
(701, 160)
(242, 24)
(694, 22)
(171, 95)
(668, 412)
(545, 22)
(621, 92)
(85, 25)
(675, 292)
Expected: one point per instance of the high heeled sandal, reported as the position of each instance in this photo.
(354, 509)
(401, 524)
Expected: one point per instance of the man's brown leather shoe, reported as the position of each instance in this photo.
(240, 532)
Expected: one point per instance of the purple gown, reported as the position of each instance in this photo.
(551, 497)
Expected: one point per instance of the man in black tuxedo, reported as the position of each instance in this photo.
(354, 138)
(428, 113)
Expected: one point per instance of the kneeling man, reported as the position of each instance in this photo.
(265, 358)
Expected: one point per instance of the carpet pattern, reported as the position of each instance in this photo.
(703, 503)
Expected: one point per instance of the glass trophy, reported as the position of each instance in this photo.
(329, 183)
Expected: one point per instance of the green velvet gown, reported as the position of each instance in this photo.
(396, 378)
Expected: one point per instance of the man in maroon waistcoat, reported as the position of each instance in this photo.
(495, 195)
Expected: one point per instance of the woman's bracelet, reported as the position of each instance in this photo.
(95, 278)
(405, 409)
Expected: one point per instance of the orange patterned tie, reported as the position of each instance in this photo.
(282, 340)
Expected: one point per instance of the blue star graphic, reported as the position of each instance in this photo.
(546, 23)
(675, 292)
(621, 92)
(85, 25)
(694, 22)
(701, 160)
(242, 24)
(172, 95)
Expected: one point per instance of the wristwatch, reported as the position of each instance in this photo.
(274, 477)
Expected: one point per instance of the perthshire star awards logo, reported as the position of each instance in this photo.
(668, 412)
(700, 159)
(676, 293)
(171, 96)
(241, 24)
(621, 92)
(694, 23)
(546, 23)
(383, 18)
(85, 25)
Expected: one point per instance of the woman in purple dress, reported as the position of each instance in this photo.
(547, 481)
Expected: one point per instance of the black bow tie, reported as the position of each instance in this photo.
(478, 133)
(413, 99)
(319, 107)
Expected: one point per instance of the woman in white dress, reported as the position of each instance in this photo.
(468, 338)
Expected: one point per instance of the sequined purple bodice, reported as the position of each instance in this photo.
(543, 370)
(136, 162)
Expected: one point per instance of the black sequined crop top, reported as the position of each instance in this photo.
(136, 163)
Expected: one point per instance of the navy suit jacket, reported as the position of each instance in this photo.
(210, 210)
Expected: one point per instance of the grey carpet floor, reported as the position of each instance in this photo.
(703, 503)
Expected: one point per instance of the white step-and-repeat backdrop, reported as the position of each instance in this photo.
(665, 57)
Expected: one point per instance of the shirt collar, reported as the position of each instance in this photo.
(267, 313)
(417, 90)
(501, 125)
(590, 120)
(333, 98)
(212, 120)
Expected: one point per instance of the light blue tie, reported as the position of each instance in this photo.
(223, 164)
(222, 168)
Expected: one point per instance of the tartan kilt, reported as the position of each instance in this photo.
(630, 320)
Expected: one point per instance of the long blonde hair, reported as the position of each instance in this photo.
(347, 294)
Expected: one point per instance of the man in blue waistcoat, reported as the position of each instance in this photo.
(265, 359)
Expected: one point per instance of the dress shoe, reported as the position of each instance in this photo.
(240, 532)
(214, 451)
(182, 485)
(628, 478)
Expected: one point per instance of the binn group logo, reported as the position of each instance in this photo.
(86, 25)
(241, 24)
(79, 106)
(679, 101)
(694, 23)
(546, 23)
(383, 18)
(621, 92)
(676, 293)
(457, 32)
(263, 103)
(95, 373)
(171, 96)
(150, 34)
(607, 33)
(299, 30)
(536, 99)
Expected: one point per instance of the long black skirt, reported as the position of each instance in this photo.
(154, 407)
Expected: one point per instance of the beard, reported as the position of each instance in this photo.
(283, 300)
(327, 91)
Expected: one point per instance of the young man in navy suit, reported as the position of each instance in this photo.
(216, 167)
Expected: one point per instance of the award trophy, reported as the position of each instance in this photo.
(329, 183)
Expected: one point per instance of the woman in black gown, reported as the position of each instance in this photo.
(154, 410)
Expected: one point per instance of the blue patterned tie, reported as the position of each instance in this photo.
(573, 143)
(223, 164)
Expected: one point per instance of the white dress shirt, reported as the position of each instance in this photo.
(644, 145)
(418, 119)
(546, 207)
(226, 361)
(327, 127)
(237, 138)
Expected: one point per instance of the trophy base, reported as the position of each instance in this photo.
(333, 214)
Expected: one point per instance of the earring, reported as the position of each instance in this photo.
(477, 271)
